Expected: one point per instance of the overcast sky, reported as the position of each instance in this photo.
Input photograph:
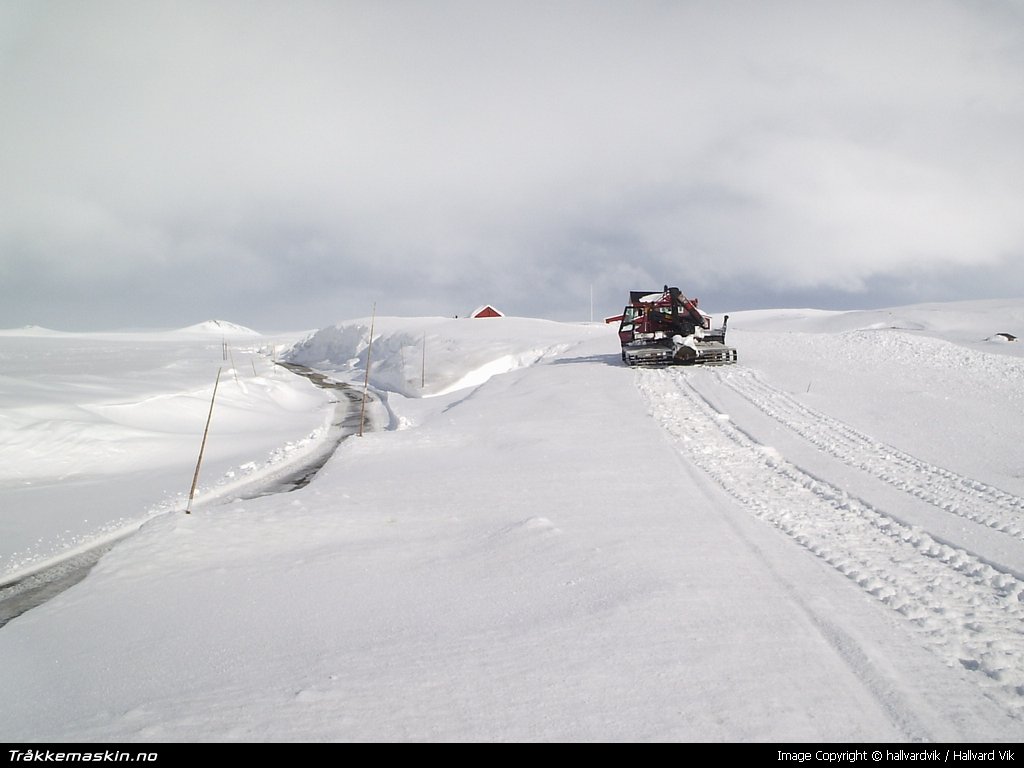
(286, 165)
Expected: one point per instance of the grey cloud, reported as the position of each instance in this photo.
(318, 156)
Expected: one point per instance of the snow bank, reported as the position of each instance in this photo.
(100, 432)
(423, 357)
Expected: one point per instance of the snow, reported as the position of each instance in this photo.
(529, 541)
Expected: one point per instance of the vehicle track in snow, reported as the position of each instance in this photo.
(948, 491)
(968, 612)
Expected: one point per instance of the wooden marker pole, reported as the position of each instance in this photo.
(231, 357)
(202, 446)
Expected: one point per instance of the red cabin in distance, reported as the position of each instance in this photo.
(486, 311)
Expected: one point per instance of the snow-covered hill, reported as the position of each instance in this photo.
(530, 541)
(219, 328)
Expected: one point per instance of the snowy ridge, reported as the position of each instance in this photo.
(969, 321)
(425, 357)
(29, 330)
(970, 612)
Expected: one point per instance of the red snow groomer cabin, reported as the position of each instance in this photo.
(666, 328)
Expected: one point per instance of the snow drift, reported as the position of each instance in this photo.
(432, 356)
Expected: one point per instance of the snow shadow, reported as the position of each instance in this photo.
(612, 359)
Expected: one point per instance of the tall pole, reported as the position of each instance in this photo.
(366, 379)
(231, 357)
(202, 446)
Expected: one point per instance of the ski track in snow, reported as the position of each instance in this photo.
(970, 613)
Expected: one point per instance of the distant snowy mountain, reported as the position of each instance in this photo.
(220, 328)
(30, 330)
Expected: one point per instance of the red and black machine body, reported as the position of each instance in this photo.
(667, 328)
